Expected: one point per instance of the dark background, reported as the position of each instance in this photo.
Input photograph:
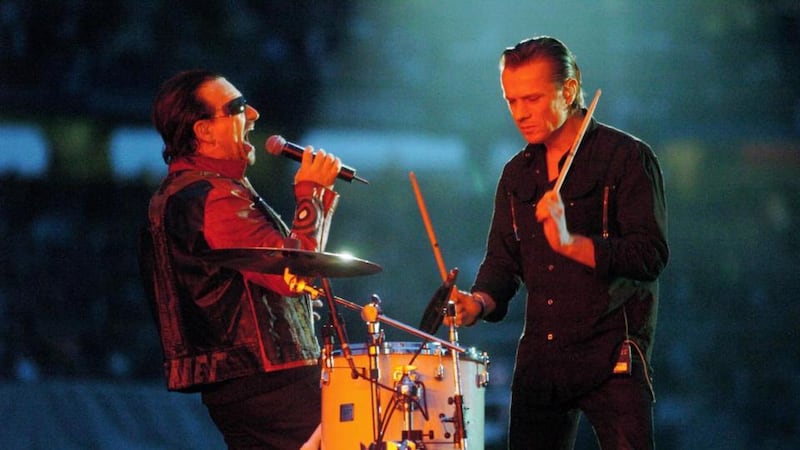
(711, 85)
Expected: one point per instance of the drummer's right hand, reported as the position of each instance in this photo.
(469, 308)
(321, 168)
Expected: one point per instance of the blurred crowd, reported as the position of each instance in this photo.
(70, 299)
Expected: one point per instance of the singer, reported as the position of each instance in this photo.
(241, 339)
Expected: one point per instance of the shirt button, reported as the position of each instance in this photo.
(549, 336)
(550, 301)
(550, 268)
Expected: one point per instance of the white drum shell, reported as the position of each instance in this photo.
(347, 406)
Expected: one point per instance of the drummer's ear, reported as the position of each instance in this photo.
(570, 90)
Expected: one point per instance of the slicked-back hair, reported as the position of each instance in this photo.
(175, 110)
(563, 61)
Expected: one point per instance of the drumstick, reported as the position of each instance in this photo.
(461, 434)
(427, 221)
(577, 143)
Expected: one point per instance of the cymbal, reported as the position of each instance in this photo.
(302, 263)
(434, 313)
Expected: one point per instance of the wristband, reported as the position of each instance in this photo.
(481, 301)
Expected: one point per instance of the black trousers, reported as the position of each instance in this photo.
(620, 411)
(279, 419)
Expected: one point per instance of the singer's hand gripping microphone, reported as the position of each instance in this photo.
(279, 146)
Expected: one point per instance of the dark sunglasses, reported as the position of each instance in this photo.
(233, 107)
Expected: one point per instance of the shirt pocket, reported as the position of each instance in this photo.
(583, 205)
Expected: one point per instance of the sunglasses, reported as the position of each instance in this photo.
(232, 108)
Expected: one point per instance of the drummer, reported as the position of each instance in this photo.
(241, 339)
(589, 260)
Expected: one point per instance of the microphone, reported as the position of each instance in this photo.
(279, 146)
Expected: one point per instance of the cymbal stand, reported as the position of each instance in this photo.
(338, 325)
(370, 315)
(403, 327)
(299, 285)
(460, 436)
(326, 356)
(406, 389)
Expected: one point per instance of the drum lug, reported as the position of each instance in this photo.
(482, 378)
(439, 374)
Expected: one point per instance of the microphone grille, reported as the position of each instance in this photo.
(275, 144)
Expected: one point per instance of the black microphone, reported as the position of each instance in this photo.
(279, 146)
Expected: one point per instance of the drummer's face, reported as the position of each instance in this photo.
(538, 105)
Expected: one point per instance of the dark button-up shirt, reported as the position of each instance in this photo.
(576, 316)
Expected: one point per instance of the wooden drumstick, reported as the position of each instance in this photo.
(577, 143)
(460, 435)
(427, 221)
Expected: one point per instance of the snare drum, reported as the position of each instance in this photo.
(425, 385)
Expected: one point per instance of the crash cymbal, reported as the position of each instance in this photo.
(302, 263)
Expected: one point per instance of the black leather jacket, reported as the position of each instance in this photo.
(217, 323)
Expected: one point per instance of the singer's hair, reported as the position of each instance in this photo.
(175, 110)
(563, 61)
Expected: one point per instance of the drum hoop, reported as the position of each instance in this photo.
(409, 347)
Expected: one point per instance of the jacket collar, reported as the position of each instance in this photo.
(225, 167)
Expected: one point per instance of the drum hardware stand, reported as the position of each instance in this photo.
(408, 389)
(376, 315)
(406, 397)
(338, 325)
(460, 436)
(299, 285)
(370, 315)
(326, 356)
(403, 327)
